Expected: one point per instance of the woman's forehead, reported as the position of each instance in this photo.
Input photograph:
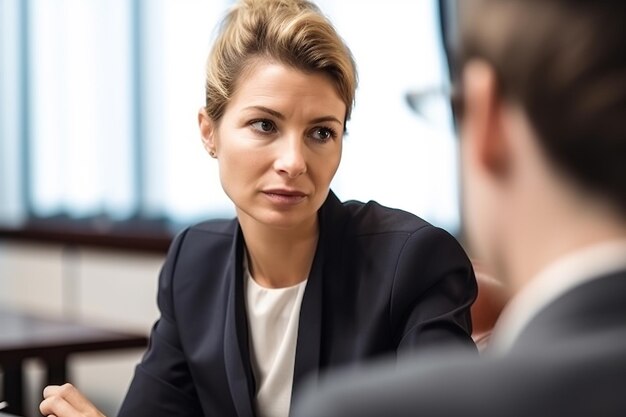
(269, 82)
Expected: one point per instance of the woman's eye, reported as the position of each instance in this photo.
(323, 134)
(263, 126)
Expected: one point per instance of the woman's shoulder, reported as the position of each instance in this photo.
(205, 234)
(218, 227)
(372, 217)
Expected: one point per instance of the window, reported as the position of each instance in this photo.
(99, 100)
(391, 155)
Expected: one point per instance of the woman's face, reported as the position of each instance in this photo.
(278, 144)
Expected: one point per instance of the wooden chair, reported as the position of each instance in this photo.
(492, 297)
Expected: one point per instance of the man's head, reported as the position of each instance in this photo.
(543, 125)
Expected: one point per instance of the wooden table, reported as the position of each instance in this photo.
(53, 340)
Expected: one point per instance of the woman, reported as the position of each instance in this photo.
(299, 281)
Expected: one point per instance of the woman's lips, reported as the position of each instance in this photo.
(285, 197)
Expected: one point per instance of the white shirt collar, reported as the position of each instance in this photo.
(557, 278)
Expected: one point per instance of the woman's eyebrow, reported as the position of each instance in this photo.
(274, 113)
(326, 119)
(280, 116)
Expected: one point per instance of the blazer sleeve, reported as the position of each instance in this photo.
(434, 287)
(162, 385)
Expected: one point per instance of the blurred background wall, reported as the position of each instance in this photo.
(108, 288)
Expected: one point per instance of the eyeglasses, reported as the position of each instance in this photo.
(440, 106)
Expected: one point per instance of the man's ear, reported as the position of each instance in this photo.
(207, 131)
(482, 119)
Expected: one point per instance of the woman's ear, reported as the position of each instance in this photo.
(483, 118)
(207, 131)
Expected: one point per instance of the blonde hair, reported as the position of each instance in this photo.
(291, 32)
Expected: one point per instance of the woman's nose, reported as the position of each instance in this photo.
(290, 160)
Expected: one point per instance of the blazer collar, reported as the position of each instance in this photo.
(236, 348)
(586, 310)
(241, 382)
(325, 267)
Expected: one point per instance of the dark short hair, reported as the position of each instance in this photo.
(564, 62)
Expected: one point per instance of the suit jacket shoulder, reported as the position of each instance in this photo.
(571, 361)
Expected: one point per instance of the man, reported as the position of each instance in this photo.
(543, 143)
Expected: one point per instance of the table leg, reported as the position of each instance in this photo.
(57, 371)
(13, 385)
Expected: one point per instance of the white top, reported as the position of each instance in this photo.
(553, 281)
(273, 317)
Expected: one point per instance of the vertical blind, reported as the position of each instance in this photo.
(98, 104)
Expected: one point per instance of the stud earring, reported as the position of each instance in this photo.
(213, 154)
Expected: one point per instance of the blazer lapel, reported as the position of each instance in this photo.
(326, 266)
(310, 325)
(236, 350)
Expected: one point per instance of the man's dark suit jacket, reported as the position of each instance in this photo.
(382, 281)
(569, 361)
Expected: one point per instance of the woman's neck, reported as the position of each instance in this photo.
(280, 258)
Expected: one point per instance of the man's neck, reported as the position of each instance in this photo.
(601, 260)
(557, 235)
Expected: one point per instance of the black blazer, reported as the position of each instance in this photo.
(382, 281)
(570, 360)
